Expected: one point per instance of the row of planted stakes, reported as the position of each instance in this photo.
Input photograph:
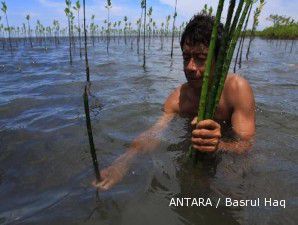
(123, 31)
(13, 40)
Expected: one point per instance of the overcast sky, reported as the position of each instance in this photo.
(48, 10)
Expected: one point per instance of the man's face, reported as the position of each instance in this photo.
(194, 58)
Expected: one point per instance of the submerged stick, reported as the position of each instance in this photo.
(90, 135)
(86, 106)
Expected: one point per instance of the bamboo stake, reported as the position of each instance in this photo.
(235, 36)
(220, 60)
(210, 56)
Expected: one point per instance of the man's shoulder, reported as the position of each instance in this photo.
(236, 82)
(237, 88)
(172, 102)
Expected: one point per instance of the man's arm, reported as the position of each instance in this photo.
(144, 143)
(243, 118)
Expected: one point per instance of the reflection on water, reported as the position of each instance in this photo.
(45, 166)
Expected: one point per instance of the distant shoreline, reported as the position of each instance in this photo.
(281, 32)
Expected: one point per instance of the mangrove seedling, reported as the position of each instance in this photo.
(85, 44)
(77, 7)
(4, 10)
(29, 30)
(254, 26)
(144, 35)
(108, 7)
(173, 28)
(125, 28)
(67, 11)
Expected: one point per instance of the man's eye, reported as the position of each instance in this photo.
(200, 61)
(186, 58)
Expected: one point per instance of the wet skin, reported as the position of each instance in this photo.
(236, 110)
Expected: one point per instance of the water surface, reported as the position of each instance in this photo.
(45, 163)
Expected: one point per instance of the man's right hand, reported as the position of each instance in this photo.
(110, 176)
(205, 135)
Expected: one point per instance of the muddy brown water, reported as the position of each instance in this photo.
(45, 164)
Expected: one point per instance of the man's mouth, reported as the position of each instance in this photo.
(194, 79)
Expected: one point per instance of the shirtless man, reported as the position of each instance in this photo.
(236, 107)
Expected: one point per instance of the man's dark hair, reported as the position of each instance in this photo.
(199, 29)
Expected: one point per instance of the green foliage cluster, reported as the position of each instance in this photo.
(206, 10)
(278, 20)
(280, 32)
(283, 28)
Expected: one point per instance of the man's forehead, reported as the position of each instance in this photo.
(195, 48)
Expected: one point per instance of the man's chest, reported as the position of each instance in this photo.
(189, 107)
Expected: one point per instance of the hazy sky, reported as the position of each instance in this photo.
(48, 10)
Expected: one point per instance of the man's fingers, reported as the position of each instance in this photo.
(205, 142)
(204, 148)
(102, 185)
(204, 133)
(108, 185)
(194, 121)
(104, 173)
(208, 124)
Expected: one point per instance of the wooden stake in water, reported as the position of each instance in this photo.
(90, 135)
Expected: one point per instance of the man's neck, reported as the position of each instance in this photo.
(194, 93)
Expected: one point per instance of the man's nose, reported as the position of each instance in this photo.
(192, 66)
